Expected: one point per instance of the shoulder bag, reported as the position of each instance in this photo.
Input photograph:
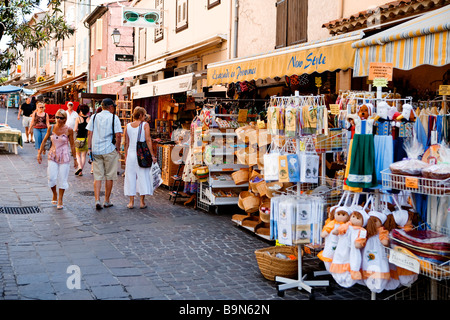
(144, 155)
(48, 143)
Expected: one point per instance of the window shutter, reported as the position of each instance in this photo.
(98, 34)
(159, 32)
(281, 24)
(297, 22)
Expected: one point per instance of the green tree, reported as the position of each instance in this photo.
(36, 36)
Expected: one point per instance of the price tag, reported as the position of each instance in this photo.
(403, 261)
(334, 109)
(412, 183)
(380, 82)
(444, 90)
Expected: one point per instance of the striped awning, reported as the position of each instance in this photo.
(422, 41)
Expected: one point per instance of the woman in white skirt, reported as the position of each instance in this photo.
(58, 157)
(137, 179)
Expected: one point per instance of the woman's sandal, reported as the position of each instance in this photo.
(54, 201)
(59, 207)
(130, 206)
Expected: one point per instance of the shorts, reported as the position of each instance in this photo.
(105, 166)
(26, 121)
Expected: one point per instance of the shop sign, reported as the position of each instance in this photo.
(444, 90)
(124, 57)
(278, 64)
(140, 17)
(381, 70)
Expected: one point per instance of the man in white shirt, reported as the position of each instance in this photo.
(104, 149)
(72, 115)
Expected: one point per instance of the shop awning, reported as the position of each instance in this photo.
(153, 67)
(324, 55)
(37, 85)
(421, 41)
(172, 85)
(159, 62)
(81, 77)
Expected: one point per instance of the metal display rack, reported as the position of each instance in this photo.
(432, 188)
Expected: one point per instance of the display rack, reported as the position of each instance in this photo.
(433, 188)
(124, 110)
(300, 283)
(415, 184)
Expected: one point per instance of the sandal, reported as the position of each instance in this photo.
(78, 172)
(143, 207)
(59, 207)
(130, 206)
(54, 201)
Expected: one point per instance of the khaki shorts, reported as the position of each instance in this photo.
(105, 166)
(26, 121)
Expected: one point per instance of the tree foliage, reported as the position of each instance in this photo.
(30, 36)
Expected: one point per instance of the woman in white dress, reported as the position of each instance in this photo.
(137, 179)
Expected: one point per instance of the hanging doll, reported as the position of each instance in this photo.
(346, 265)
(360, 171)
(400, 219)
(339, 216)
(403, 130)
(375, 264)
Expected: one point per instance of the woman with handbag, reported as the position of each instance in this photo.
(137, 177)
(58, 157)
(40, 121)
(81, 143)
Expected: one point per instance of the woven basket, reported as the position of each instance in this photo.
(262, 188)
(242, 196)
(240, 176)
(264, 216)
(250, 202)
(271, 266)
(273, 188)
(253, 185)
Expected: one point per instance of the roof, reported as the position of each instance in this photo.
(390, 11)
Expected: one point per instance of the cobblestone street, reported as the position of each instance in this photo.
(164, 252)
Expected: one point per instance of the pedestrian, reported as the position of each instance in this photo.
(81, 144)
(26, 109)
(104, 138)
(72, 116)
(40, 122)
(137, 179)
(58, 157)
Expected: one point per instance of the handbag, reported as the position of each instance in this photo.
(80, 143)
(144, 155)
(48, 143)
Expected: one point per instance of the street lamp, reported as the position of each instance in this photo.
(116, 39)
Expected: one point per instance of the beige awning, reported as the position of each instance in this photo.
(172, 85)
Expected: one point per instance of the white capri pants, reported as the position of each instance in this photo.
(58, 174)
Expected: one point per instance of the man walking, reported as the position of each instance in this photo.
(27, 109)
(104, 138)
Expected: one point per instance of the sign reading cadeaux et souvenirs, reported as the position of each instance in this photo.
(283, 63)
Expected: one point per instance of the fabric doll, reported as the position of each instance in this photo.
(375, 264)
(339, 217)
(402, 220)
(361, 171)
(405, 121)
(346, 265)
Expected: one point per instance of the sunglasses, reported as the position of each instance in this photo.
(60, 118)
(131, 16)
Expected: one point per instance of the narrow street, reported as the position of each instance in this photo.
(164, 252)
